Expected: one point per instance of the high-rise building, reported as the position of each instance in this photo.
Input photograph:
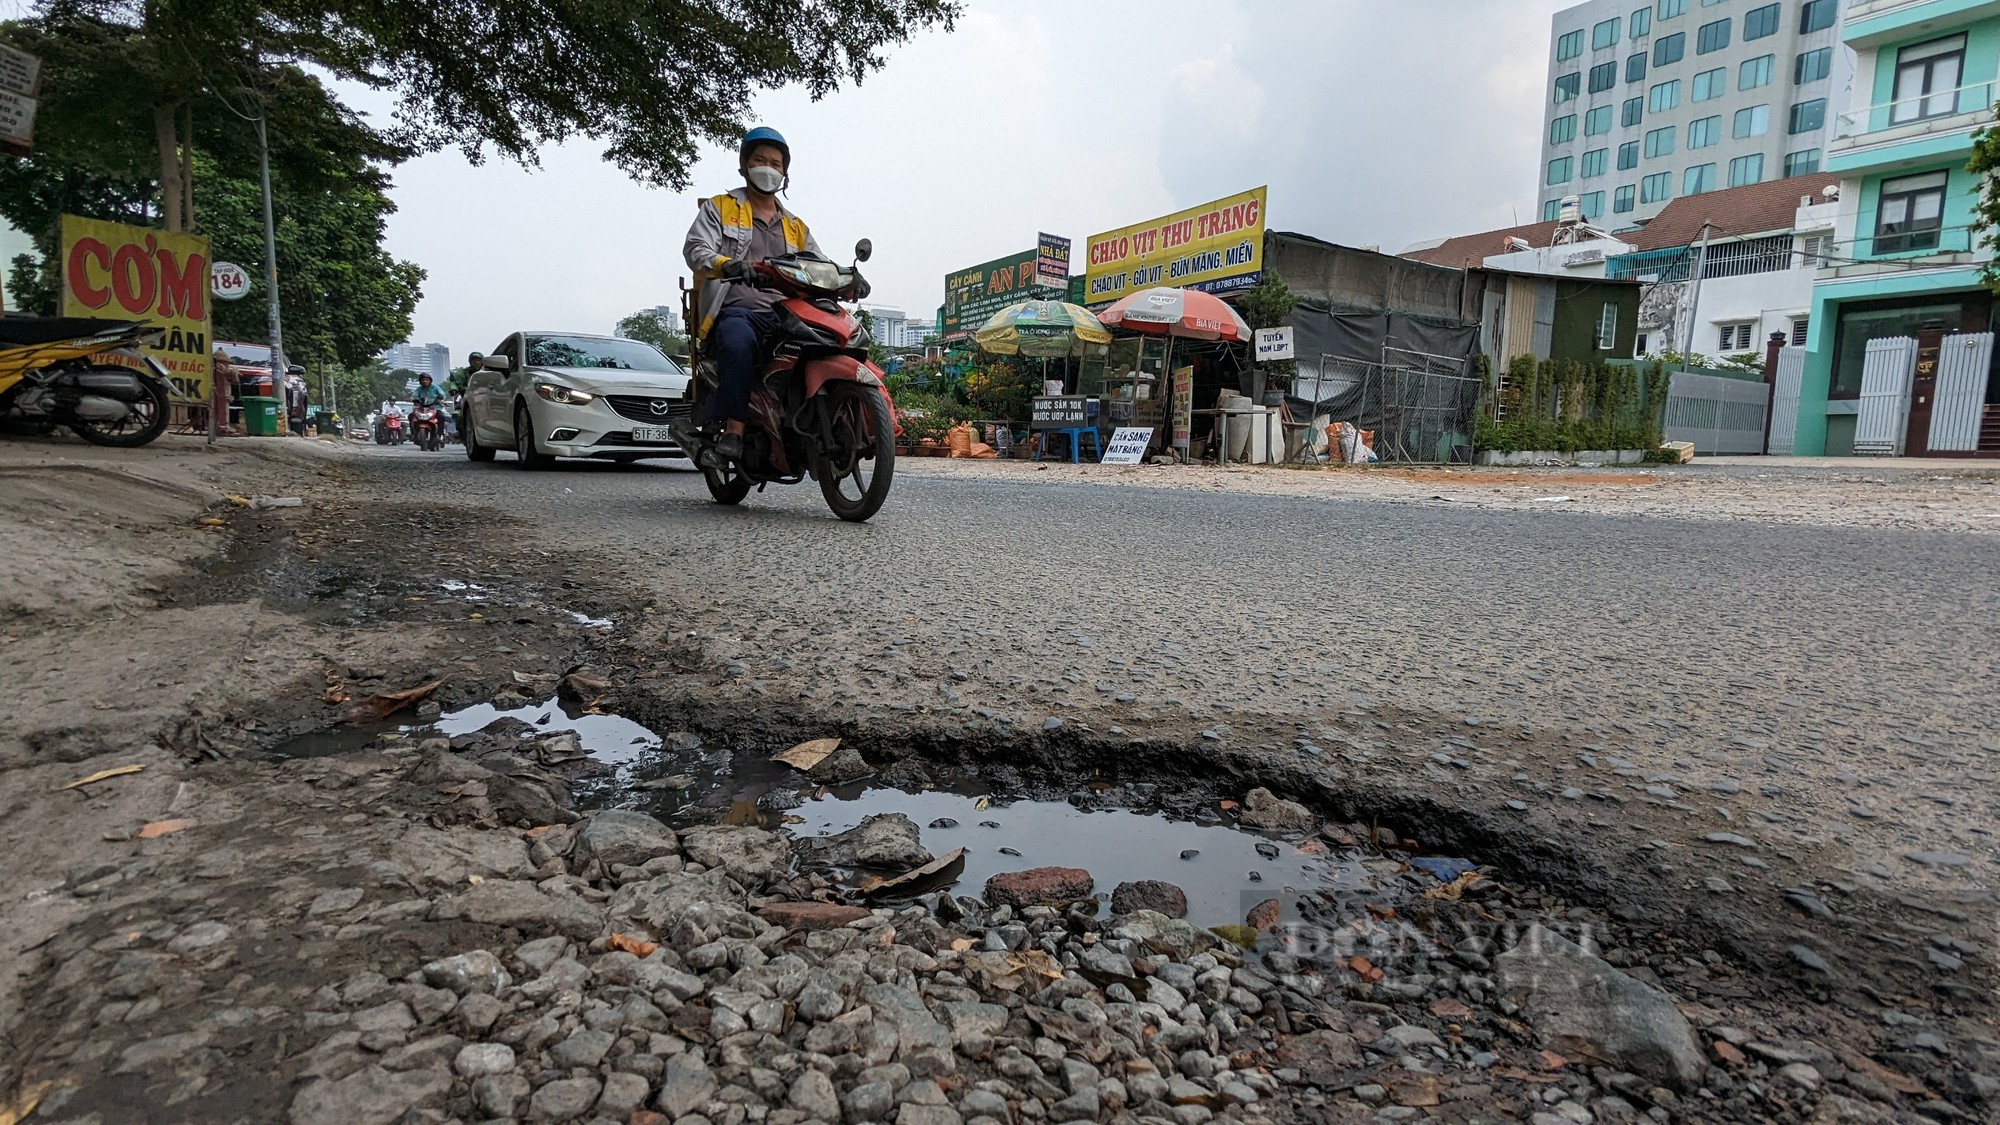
(894, 329)
(1648, 102)
(431, 359)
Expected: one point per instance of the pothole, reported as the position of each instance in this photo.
(1003, 818)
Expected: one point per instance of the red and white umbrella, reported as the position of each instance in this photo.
(1187, 313)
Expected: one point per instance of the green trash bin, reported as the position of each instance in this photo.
(262, 416)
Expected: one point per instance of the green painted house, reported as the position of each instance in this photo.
(1904, 269)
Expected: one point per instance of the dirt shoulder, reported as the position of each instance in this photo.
(1959, 496)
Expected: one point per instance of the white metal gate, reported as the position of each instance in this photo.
(1785, 401)
(1717, 414)
(1885, 396)
(1963, 361)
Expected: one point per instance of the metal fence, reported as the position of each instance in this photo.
(1717, 414)
(1420, 406)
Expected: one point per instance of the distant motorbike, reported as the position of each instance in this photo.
(427, 428)
(819, 408)
(52, 374)
(391, 430)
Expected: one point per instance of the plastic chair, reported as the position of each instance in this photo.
(1075, 435)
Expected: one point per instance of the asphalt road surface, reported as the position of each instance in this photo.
(1828, 695)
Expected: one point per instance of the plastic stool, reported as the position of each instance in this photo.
(1075, 436)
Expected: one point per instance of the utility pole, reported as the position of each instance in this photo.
(271, 260)
(1694, 297)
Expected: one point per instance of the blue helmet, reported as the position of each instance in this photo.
(764, 135)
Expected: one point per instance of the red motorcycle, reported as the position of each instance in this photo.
(427, 428)
(390, 430)
(819, 408)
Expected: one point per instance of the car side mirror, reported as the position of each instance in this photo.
(864, 250)
(500, 363)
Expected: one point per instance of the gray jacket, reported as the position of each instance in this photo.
(721, 232)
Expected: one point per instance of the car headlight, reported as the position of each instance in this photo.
(569, 396)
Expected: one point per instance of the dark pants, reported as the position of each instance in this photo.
(738, 339)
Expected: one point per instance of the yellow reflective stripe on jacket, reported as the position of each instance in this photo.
(738, 214)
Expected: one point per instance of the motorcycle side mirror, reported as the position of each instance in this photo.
(864, 250)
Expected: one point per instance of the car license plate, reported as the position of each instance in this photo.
(652, 435)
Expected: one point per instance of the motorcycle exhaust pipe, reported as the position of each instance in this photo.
(110, 384)
(97, 408)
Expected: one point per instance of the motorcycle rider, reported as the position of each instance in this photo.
(732, 232)
(427, 395)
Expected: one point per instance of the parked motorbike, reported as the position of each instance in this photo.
(427, 428)
(819, 408)
(52, 374)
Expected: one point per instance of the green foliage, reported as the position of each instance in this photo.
(1269, 304)
(1003, 390)
(928, 414)
(1985, 164)
(662, 330)
(1564, 406)
(361, 388)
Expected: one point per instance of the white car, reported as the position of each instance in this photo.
(546, 395)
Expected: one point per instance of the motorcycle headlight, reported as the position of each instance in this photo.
(569, 396)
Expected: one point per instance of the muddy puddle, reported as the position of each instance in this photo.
(1120, 831)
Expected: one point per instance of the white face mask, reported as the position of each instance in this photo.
(766, 179)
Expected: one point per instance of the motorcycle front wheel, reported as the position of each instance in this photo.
(727, 485)
(861, 420)
(144, 420)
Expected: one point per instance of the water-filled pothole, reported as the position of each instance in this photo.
(1005, 819)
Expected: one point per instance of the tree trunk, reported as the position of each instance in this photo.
(187, 165)
(170, 167)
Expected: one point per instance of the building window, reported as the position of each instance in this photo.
(1592, 204)
(1816, 250)
(1664, 96)
(1628, 156)
(1668, 49)
(1559, 171)
(1635, 67)
(1660, 142)
(1552, 210)
(1604, 34)
(1595, 162)
(1607, 327)
(1801, 326)
(1639, 344)
(1751, 121)
(1710, 84)
(1927, 78)
(1746, 170)
(1711, 37)
(1754, 72)
(1811, 66)
(1621, 200)
(1632, 112)
(1603, 77)
(1698, 179)
(1569, 46)
(1668, 9)
(1817, 15)
(1567, 87)
(1562, 130)
(1910, 214)
(1656, 187)
(1733, 338)
(1705, 132)
(1597, 121)
(1802, 163)
(1760, 22)
(1642, 22)
(1808, 117)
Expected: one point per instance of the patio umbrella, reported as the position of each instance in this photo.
(1045, 329)
(1186, 313)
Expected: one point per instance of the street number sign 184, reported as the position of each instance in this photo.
(228, 281)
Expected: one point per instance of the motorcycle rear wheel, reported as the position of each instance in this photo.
(144, 420)
(857, 492)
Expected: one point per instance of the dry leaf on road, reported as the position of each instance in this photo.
(383, 704)
(163, 828)
(806, 755)
(100, 775)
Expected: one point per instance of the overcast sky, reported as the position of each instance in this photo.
(1374, 123)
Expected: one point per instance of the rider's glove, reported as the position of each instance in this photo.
(735, 269)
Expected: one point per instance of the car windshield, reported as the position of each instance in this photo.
(596, 351)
